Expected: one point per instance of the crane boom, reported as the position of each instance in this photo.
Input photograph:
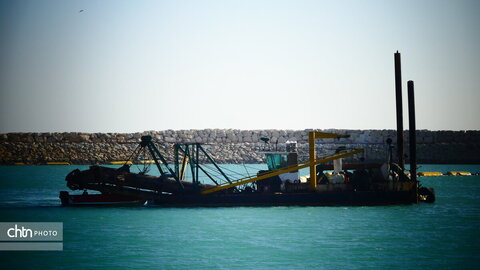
(283, 170)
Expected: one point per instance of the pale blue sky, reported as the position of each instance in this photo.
(128, 66)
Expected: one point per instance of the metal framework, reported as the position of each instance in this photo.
(191, 154)
(159, 159)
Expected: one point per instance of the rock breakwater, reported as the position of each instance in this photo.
(231, 145)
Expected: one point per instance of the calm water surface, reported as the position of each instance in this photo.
(443, 235)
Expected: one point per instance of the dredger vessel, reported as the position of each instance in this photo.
(281, 185)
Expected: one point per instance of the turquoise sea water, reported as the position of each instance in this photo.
(443, 235)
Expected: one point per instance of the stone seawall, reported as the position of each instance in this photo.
(231, 146)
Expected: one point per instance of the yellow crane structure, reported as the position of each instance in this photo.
(311, 142)
(311, 163)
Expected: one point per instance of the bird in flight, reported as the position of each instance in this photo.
(81, 10)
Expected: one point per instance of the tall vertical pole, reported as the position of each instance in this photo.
(177, 168)
(412, 130)
(313, 169)
(398, 96)
(198, 161)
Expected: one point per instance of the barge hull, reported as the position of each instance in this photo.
(98, 200)
(353, 198)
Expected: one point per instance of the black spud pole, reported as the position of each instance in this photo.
(412, 130)
(398, 98)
